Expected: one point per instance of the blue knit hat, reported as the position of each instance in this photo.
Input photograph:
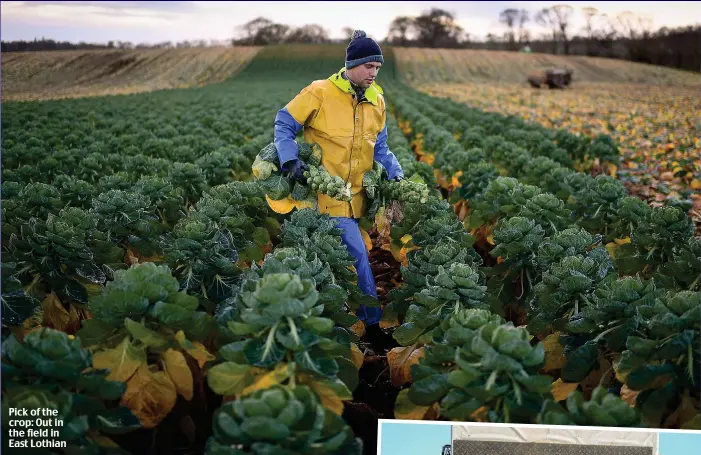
(362, 49)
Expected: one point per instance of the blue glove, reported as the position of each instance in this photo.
(296, 169)
(398, 178)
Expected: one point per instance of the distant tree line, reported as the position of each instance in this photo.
(261, 32)
(626, 36)
(51, 45)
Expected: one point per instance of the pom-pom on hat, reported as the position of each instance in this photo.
(362, 49)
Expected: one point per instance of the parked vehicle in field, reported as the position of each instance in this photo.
(553, 78)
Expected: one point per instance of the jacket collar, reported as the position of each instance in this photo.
(345, 86)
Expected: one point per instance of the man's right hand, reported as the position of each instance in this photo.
(296, 169)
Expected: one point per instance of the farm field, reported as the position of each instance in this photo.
(426, 66)
(165, 286)
(30, 76)
(652, 113)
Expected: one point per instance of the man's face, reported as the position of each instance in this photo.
(364, 75)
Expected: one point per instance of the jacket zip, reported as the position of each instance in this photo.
(350, 163)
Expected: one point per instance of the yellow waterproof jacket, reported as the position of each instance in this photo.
(346, 130)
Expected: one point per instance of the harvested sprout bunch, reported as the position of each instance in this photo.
(279, 185)
(405, 191)
(320, 181)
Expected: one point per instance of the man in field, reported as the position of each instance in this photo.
(346, 115)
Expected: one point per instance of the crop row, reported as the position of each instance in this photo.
(603, 284)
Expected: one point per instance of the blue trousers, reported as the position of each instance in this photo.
(366, 281)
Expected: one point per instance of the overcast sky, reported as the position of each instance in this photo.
(152, 22)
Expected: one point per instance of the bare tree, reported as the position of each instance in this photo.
(523, 35)
(637, 29)
(589, 28)
(589, 14)
(633, 26)
(562, 16)
(399, 29)
(546, 17)
(606, 33)
(509, 17)
(645, 25)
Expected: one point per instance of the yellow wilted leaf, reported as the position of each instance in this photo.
(442, 181)
(388, 322)
(481, 414)
(285, 205)
(395, 248)
(561, 390)
(122, 361)
(403, 256)
(357, 357)
(400, 361)
(200, 353)
(366, 239)
(195, 349)
(554, 352)
(56, 316)
(134, 257)
(380, 219)
(622, 241)
(358, 328)
(695, 184)
(490, 239)
(456, 179)
(268, 379)
(150, 396)
(464, 209)
(405, 409)
(611, 247)
(331, 393)
(399, 249)
(179, 372)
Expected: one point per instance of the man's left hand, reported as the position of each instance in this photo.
(398, 178)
